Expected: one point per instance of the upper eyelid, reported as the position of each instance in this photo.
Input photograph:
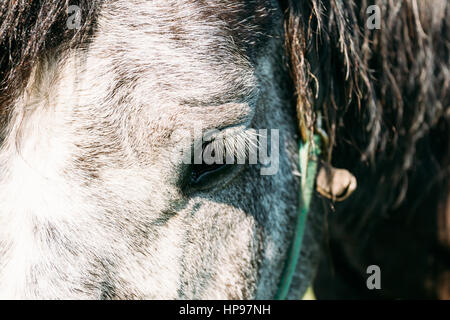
(246, 136)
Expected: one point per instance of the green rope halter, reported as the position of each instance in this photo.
(309, 153)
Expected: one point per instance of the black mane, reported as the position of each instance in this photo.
(385, 94)
(28, 30)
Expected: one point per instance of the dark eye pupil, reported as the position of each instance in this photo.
(199, 171)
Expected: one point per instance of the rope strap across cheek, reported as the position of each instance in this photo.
(309, 153)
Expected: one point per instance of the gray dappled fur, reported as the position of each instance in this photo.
(92, 203)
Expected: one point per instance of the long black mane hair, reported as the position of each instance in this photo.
(385, 93)
(385, 97)
(28, 31)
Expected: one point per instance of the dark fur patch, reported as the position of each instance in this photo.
(249, 23)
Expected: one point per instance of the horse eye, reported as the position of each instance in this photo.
(208, 171)
(217, 167)
(205, 171)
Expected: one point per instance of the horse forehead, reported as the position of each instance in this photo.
(188, 53)
(249, 23)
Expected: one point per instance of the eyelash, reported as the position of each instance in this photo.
(237, 143)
